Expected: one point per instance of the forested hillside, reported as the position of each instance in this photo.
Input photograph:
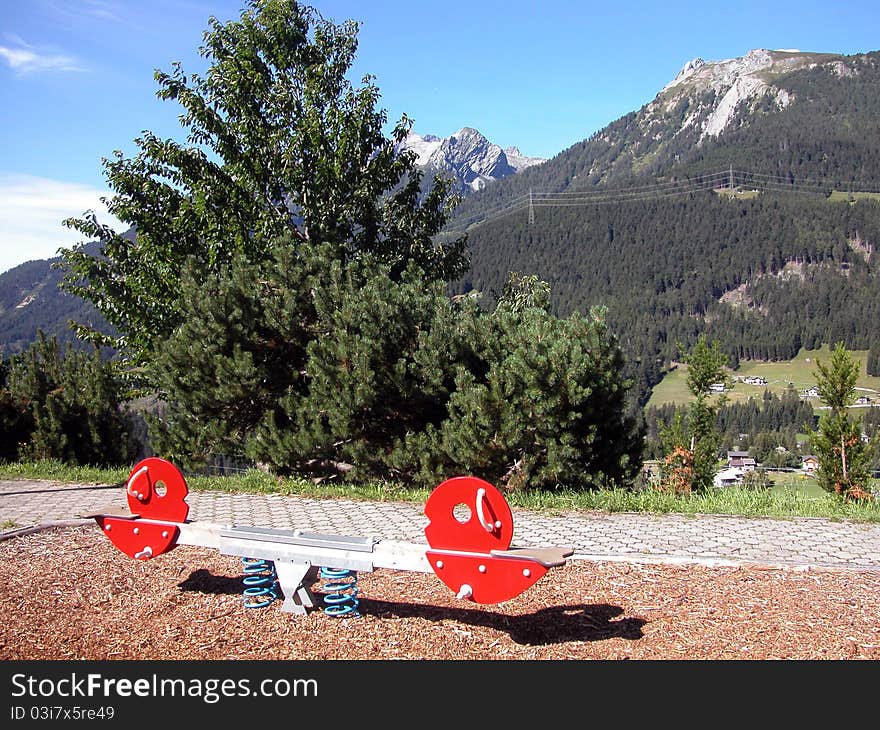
(639, 217)
(765, 276)
(642, 218)
(830, 129)
(31, 300)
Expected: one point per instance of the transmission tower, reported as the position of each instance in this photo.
(531, 209)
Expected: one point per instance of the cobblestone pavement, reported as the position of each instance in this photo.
(706, 539)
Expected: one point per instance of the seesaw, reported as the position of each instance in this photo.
(469, 534)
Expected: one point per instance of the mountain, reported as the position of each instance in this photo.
(710, 108)
(468, 157)
(31, 300)
(742, 202)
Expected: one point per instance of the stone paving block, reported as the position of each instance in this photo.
(805, 541)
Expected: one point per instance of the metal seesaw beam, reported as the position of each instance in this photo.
(473, 556)
(298, 555)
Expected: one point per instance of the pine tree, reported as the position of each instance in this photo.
(692, 441)
(16, 424)
(306, 365)
(541, 405)
(837, 443)
(872, 366)
(71, 401)
(344, 371)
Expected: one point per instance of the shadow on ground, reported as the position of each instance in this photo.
(553, 625)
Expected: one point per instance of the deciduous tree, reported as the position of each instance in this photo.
(278, 141)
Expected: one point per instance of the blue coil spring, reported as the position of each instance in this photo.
(260, 581)
(341, 589)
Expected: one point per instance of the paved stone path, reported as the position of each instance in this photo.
(706, 539)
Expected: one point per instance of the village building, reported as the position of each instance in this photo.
(728, 477)
(740, 460)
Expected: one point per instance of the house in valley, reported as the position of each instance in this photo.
(740, 460)
(728, 477)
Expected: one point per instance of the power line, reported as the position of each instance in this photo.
(730, 178)
(636, 189)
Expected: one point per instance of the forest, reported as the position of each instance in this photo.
(765, 276)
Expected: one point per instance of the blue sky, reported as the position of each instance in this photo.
(76, 76)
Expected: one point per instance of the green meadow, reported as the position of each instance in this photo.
(837, 196)
(798, 372)
(794, 483)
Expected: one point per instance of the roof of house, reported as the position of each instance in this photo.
(728, 475)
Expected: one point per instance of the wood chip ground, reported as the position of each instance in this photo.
(70, 594)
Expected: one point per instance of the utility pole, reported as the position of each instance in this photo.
(731, 179)
(531, 209)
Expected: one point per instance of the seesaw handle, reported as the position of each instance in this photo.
(481, 516)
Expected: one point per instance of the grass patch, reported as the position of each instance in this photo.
(57, 471)
(838, 196)
(255, 481)
(737, 193)
(785, 482)
(798, 371)
(789, 497)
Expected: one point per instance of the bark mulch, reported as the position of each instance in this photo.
(68, 593)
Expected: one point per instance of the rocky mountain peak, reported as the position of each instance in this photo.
(468, 156)
(730, 83)
(686, 71)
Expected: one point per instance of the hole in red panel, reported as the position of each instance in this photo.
(160, 488)
(462, 512)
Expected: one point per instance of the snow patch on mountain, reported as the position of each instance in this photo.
(424, 147)
(468, 156)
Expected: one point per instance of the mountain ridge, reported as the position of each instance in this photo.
(672, 248)
(32, 300)
(467, 156)
(659, 138)
(648, 216)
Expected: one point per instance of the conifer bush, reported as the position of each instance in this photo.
(65, 404)
(313, 367)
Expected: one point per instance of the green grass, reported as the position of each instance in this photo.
(58, 471)
(797, 371)
(838, 196)
(789, 497)
(804, 484)
(738, 194)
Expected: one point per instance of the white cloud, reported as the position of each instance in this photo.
(25, 59)
(103, 10)
(86, 10)
(31, 213)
